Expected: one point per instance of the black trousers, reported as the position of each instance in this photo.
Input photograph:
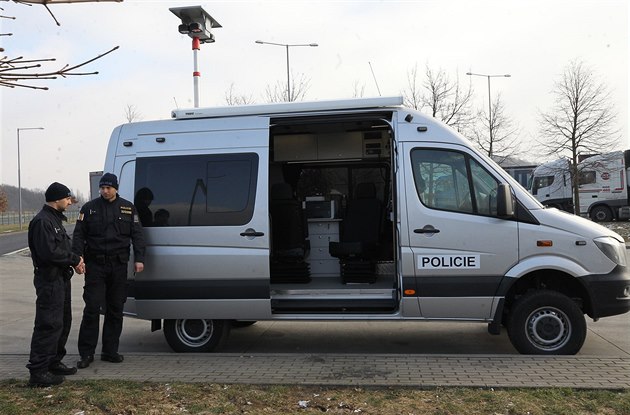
(105, 287)
(53, 318)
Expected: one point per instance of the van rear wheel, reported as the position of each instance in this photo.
(195, 335)
(546, 322)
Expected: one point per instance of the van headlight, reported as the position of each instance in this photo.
(612, 248)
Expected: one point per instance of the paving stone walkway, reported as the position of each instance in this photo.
(422, 371)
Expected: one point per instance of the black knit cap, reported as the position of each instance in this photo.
(109, 179)
(57, 191)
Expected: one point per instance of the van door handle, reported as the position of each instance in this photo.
(252, 233)
(427, 229)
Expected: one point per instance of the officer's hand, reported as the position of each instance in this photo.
(138, 267)
(80, 268)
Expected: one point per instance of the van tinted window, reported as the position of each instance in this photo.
(450, 180)
(203, 190)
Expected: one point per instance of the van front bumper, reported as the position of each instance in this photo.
(609, 293)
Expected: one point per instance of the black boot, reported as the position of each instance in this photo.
(85, 361)
(44, 379)
(60, 369)
(113, 358)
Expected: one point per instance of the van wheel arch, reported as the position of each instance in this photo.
(553, 280)
(196, 335)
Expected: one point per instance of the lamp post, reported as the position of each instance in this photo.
(19, 172)
(489, 97)
(287, 46)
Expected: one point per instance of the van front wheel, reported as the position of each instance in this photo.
(195, 335)
(546, 322)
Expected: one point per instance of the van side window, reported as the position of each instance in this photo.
(453, 181)
(200, 190)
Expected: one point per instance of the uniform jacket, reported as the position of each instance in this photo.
(108, 228)
(48, 241)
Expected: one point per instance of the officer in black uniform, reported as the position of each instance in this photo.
(51, 252)
(105, 228)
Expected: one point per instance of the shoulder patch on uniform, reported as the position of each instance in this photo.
(136, 218)
(80, 217)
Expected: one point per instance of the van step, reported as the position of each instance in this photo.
(332, 305)
(330, 295)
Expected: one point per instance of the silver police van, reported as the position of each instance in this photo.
(350, 210)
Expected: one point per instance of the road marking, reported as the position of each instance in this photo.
(15, 252)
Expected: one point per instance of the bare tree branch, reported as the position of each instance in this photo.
(10, 75)
(358, 89)
(132, 114)
(45, 3)
(14, 71)
(442, 98)
(278, 91)
(412, 95)
(232, 98)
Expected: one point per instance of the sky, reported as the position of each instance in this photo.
(532, 40)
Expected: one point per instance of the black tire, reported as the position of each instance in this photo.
(601, 214)
(546, 322)
(196, 335)
(242, 323)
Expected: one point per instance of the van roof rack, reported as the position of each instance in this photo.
(284, 107)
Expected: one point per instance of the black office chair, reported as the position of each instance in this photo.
(359, 240)
(289, 243)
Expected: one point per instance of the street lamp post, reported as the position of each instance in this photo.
(489, 97)
(287, 46)
(19, 172)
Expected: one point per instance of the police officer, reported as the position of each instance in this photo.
(105, 228)
(51, 252)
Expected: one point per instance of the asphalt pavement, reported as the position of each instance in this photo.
(411, 354)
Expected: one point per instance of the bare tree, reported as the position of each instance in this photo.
(278, 92)
(232, 98)
(132, 114)
(412, 96)
(581, 120)
(358, 89)
(448, 100)
(504, 143)
(14, 71)
(441, 97)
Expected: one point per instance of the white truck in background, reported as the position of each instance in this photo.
(603, 185)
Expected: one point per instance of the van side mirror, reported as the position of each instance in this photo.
(505, 204)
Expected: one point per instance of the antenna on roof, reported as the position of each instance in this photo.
(373, 76)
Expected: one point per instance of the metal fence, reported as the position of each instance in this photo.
(13, 217)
